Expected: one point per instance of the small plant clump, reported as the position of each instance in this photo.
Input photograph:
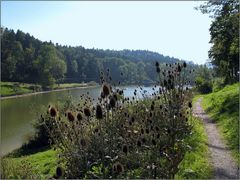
(122, 137)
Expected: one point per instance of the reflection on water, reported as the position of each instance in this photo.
(18, 114)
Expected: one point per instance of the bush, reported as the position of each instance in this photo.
(218, 84)
(120, 138)
(203, 86)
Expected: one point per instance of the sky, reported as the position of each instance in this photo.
(172, 28)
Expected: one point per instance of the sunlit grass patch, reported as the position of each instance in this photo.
(196, 164)
(223, 107)
(39, 165)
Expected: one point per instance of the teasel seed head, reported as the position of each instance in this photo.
(112, 102)
(106, 89)
(53, 111)
(79, 116)
(190, 104)
(125, 149)
(118, 168)
(184, 64)
(83, 142)
(99, 114)
(87, 112)
(59, 172)
(70, 116)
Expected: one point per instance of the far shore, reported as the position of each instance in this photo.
(47, 91)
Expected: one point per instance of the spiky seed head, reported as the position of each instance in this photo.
(154, 142)
(184, 64)
(179, 68)
(99, 114)
(53, 111)
(59, 172)
(106, 89)
(87, 112)
(152, 107)
(125, 149)
(70, 116)
(112, 102)
(190, 104)
(139, 144)
(79, 116)
(118, 168)
(83, 142)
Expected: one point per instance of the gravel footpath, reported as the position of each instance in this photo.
(224, 166)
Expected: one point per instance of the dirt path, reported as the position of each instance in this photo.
(224, 166)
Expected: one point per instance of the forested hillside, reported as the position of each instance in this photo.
(27, 59)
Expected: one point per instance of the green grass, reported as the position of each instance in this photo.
(223, 108)
(16, 88)
(38, 165)
(12, 88)
(69, 85)
(196, 164)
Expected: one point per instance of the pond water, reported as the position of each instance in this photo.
(18, 114)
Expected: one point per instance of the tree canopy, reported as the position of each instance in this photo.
(27, 59)
(224, 31)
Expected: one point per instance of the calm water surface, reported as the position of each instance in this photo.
(18, 114)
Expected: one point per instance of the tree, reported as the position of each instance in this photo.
(48, 66)
(224, 31)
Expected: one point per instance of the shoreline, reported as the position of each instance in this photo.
(47, 91)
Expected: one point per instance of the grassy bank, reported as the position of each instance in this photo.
(223, 107)
(16, 88)
(34, 166)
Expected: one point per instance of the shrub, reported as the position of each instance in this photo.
(127, 137)
(203, 86)
(218, 84)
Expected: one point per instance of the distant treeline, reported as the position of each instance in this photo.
(27, 59)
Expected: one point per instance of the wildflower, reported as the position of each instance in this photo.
(53, 111)
(190, 105)
(125, 149)
(79, 116)
(184, 64)
(99, 114)
(59, 172)
(87, 112)
(118, 168)
(139, 143)
(152, 107)
(112, 102)
(106, 90)
(70, 116)
(179, 68)
(154, 142)
(83, 142)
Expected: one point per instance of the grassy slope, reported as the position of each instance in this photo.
(39, 165)
(11, 88)
(223, 107)
(196, 163)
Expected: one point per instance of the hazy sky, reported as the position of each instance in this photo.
(171, 28)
